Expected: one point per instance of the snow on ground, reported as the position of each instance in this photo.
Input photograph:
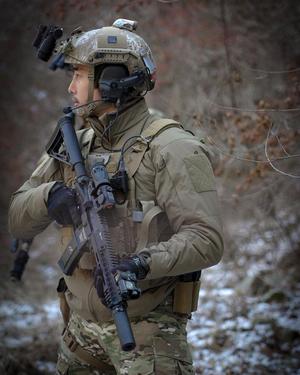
(248, 318)
(19, 321)
(230, 334)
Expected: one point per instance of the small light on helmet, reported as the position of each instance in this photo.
(122, 23)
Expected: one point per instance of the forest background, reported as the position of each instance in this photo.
(230, 72)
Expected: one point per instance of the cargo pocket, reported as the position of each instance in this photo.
(172, 356)
(138, 366)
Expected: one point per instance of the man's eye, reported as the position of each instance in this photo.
(76, 75)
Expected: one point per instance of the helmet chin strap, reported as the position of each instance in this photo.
(92, 106)
(91, 77)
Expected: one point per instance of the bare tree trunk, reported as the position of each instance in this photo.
(228, 54)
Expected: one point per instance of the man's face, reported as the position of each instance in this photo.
(79, 86)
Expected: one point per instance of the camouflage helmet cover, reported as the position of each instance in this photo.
(116, 44)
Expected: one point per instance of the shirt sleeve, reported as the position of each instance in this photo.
(186, 192)
(28, 215)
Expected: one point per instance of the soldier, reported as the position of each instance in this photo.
(165, 229)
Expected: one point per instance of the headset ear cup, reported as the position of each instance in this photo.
(108, 79)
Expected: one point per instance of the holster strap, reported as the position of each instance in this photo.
(63, 304)
(70, 340)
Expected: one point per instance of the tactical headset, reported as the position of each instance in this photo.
(116, 84)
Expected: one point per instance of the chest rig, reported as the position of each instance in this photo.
(133, 224)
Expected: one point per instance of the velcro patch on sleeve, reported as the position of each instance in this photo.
(200, 172)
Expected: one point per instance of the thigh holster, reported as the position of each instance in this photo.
(186, 293)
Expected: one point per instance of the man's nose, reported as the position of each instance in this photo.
(72, 87)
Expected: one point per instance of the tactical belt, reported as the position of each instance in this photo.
(70, 340)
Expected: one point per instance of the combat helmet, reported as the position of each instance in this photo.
(114, 46)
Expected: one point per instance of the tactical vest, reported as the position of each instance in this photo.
(133, 226)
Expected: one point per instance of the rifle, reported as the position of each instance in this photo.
(21, 249)
(96, 200)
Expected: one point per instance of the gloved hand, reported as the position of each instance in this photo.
(127, 272)
(126, 282)
(62, 205)
(136, 264)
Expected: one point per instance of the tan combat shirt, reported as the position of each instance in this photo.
(174, 173)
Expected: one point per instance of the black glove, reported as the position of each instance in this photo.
(62, 205)
(136, 264)
(127, 272)
(126, 282)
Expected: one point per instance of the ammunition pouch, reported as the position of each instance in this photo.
(186, 293)
(63, 304)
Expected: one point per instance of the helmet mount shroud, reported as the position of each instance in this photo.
(116, 46)
(45, 41)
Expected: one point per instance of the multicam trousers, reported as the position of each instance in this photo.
(161, 347)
